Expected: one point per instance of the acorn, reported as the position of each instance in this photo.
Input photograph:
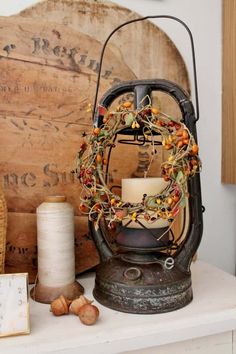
(88, 314)
(78, 303)
(60, 306)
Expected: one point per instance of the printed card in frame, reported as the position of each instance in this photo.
(14, 304)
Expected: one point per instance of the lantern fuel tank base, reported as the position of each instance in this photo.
(141, 288)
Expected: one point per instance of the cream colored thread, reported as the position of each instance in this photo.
(55, 233)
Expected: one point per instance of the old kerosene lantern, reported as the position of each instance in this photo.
(148, 270)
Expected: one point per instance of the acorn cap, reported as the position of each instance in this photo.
(60, 306)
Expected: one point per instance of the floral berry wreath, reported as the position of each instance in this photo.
(98, 201)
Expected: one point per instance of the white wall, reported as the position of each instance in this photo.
(204, 18)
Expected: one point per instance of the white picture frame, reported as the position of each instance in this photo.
(14, 304)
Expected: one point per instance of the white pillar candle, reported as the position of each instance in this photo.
(133, 190)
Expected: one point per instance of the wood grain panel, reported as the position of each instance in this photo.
(49, 63)
(229, 93)
(142, 46)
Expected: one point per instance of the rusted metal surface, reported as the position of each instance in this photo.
(141, 288)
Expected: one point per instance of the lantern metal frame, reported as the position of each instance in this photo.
(137, 281)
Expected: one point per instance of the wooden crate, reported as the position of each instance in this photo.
(49, 63)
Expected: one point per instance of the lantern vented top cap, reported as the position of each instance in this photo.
(55, 199)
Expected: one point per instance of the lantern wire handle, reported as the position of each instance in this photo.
(139, 20)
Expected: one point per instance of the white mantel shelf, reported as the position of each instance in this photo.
(212, 311)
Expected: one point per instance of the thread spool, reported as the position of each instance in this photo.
(56, 258)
